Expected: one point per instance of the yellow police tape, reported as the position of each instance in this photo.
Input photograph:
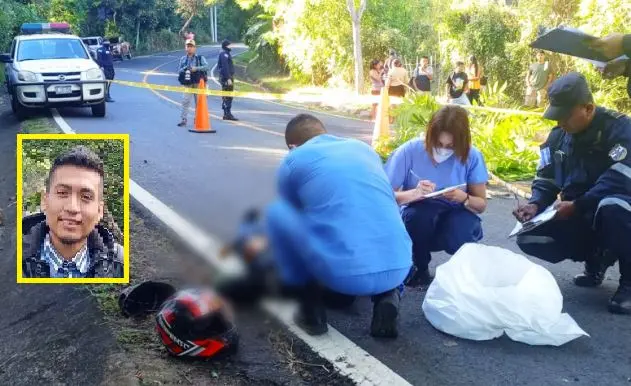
(295, 97)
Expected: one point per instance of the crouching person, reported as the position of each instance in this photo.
(337, 227)
(586, 160)
(443, 159)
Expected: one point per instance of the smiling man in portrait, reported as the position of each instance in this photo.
(66, 240)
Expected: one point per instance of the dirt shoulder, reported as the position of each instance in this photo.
(73, 334)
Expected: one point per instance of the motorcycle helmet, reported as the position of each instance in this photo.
(197, 323)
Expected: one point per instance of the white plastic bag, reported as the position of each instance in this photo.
(483, 291)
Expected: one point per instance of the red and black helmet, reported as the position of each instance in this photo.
(197, 323)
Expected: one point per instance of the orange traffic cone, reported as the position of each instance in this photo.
(381, 129)
(202, 123)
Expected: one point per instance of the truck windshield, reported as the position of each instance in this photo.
(37, 49)
(91, 42)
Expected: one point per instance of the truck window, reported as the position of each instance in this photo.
(13, 45)
(51, 49)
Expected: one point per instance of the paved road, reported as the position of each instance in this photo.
(212, 178)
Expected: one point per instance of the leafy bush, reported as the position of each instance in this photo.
(39, 155)
(509, 143)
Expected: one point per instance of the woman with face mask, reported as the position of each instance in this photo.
(443, 159)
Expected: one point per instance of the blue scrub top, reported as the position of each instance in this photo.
(340, 188)
(412, 156)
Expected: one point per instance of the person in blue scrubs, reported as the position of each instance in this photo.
(445, 158)
(337, 226)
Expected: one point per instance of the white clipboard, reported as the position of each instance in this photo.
(536, 221)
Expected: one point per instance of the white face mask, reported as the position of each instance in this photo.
(442, 155)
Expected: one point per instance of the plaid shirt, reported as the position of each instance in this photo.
(60, 268)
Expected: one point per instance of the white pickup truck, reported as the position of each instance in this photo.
(48, 67)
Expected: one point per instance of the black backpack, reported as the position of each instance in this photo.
(195, 76)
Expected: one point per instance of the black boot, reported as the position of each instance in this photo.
(620, 303)
(418, 277)
(385, 314)
(311, 315)
(595, 270)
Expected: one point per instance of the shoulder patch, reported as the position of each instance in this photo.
(545, 158)
(618, 153)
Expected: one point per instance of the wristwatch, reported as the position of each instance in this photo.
(466, 201)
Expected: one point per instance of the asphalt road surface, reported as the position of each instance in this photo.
(212, 178)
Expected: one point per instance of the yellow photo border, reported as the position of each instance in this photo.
(119, 137)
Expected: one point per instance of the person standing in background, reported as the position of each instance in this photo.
(458, 85)
(399, 78)
(474, 72)
(226, 74)
(389, 62)
(106, 62)
(191, 70)
(376, 81)
(424, 76)
(538, 79)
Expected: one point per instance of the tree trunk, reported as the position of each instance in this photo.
(185, 26)
(137, 34)
(356, 15)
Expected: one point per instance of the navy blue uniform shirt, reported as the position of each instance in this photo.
(225, 65)
(586, 167)
(104, 57)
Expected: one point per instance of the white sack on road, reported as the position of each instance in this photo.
(483, 292)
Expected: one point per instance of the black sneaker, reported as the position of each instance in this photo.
(595, 270)
(312, 319)
(385, 315)
(418, 278)
(620, 303)
(230, 117)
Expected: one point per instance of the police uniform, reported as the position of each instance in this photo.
(592, 169)
(106, 62)
(226, 74)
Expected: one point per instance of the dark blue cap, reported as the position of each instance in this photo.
(565, 93)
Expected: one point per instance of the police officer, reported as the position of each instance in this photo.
(226, 73)
(586, 159)
(106, 62)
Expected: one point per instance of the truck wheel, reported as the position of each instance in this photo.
(18, 110)
(129, 56)
(99, 110)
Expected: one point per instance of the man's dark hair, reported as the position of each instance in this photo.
(542, 52)
(79, 156)
(459, 63)
(302, 128)
(425, 57)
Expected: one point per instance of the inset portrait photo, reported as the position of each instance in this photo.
(73, 208)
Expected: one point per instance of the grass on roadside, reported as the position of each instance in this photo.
(41, 125)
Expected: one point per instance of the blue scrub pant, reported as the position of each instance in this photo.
(298, 265)
(436, 225)
(578, 238)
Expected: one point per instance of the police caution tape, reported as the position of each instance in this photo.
(296, 97)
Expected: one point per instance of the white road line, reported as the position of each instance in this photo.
(348, 358)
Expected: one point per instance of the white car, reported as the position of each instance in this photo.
(48, 67)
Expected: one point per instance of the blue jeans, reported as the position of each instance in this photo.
(298, 264)
(436, 225)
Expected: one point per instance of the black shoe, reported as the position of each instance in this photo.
(312, 319)
(589, 279)
(230, 117)
(620, 303)
(418, 278)
(595, 270)
(385, 314)
(311, 315)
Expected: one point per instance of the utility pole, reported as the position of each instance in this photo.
(215, 24)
